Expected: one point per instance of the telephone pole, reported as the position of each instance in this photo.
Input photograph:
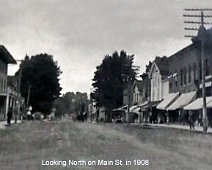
(202, 39)
(19, 90)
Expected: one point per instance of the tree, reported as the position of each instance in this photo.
(110, 79)
(60, 105)
(75, 103)
(40, 77)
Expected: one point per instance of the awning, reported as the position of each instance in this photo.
(144, 104)
(121, 108)
(167, 101)
(209, 104)
(154, 103)
(134, 109)
(183, 100)
(137, 110)
(198, 104)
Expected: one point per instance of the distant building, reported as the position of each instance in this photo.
(5, 59)
(158, 74)
(137, 92)
(146, 88)
(128, 94)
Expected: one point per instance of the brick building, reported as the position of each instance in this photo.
(185, 75)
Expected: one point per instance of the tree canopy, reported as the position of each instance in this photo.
(75, 103)
(110, 78)
(40, 78)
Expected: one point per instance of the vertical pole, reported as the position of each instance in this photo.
(28, 96)
(19, 93)
(204, 108)
(128, 108)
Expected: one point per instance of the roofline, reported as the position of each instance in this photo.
(152, 66)
(183, 50)
(8, 57)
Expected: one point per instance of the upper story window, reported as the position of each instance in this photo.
(181, 77)
(206, 67)
(200, 70)
(195, 71)
(175, 77)
(184, 76)
(189, 73)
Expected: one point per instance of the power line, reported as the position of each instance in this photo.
(196, 22)
(198, 9)
(202, 40)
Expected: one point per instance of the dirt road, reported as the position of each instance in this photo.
(71, 145)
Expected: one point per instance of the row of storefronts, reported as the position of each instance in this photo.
(171, 87)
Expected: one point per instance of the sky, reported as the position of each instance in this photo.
(79, 33)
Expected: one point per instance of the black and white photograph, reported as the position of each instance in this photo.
(105, 84)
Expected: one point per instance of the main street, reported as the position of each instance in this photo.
(35, 145)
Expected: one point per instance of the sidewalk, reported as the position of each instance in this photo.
(184, 127)
(3, 124)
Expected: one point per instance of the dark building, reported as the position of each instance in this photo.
(185, 74)
(185, 67)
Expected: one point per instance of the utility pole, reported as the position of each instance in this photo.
(202, 39)
(19, 90)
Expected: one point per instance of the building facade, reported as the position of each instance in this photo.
(13, 94)
(185, 70)
(158, 78)
(138, 92)
(5, 59)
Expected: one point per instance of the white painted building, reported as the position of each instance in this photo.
(158, 79)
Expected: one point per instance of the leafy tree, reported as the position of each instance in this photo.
(60, 105)
(40, 77)
(110, 79)
(71, 102)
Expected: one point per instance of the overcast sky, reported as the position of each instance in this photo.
(79, 33)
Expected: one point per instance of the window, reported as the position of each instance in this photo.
(184, 76)
(200, 70)
(195, 71)
(176, 78)
(181, 77)
(206, 67)
(189, 73)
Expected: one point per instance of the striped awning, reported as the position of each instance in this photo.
(171, 97)
(132, 108)
(135, 109)
(182, 101)
(198, 104)
(121, 108)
